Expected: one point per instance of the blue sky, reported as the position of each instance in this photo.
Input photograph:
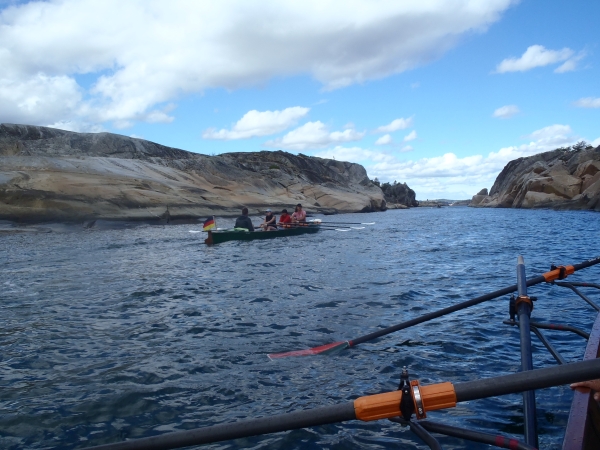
(438, 94)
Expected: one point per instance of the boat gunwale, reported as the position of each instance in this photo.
(578, 426)
(240, 235)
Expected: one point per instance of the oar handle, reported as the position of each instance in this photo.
(528, 380)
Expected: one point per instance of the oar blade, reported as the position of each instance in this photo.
(327, 349)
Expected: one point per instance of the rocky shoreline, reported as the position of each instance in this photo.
(565, 178)
(51, 175)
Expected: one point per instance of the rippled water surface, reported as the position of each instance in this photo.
(114, 334)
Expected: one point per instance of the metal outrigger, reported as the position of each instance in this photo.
(520, 309)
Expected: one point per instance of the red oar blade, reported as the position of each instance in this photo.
(321, 350)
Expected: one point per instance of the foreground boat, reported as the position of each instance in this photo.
(219, 236)
(412, 401)
(583, 427)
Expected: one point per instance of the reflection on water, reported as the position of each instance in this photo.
(116, 334)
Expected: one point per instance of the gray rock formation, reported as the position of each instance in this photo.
(479, 197)
(399, 194)
(561, 179)
(48, 175)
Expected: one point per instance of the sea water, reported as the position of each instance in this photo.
(109, 335)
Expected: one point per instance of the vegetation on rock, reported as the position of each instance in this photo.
(397, 193)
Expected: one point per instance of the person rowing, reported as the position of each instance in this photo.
(299, 215)
(270, 223)
(244, 221)
(284, 219)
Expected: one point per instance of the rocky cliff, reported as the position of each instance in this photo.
(562, 179)
(398, 195)
(48, 174)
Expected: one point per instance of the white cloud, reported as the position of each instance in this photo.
(507, 111)
(570, 64)
(356, 154)
(410, 136)
(37, 99)
(259, 123)
(314, 135)
(79, 127)
(142, 54)
(448, 175)
(534, 56)
(406, 149)
(588, 102)
(161, 115)
(395, 125)
(384, 140)
(595, 142)
(552, 137)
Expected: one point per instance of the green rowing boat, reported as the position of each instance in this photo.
(219, 236)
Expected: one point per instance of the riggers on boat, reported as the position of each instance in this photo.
(241, 234)
(412, 401)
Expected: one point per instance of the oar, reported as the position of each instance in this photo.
(324, 225)
(350, 223)
(330, 225)
(372, 407)
(555, 274)
(320, 226)
(297, 226)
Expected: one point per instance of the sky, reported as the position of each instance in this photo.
(439, 94)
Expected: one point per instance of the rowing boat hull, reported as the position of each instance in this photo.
(217, 237)
(583, 427)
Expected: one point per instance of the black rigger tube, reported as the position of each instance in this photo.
(557, 356)
(420, 431)
(496, 440)
(581, 294)
(552, 326)
(523, 311)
